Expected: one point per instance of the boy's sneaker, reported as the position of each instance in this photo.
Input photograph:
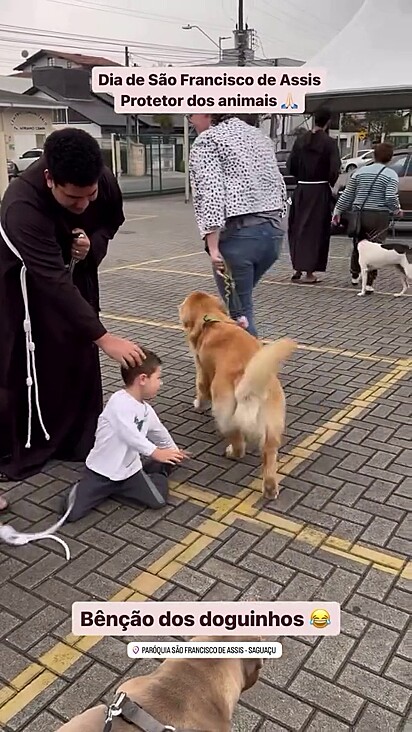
(369, 290)
(355, 280)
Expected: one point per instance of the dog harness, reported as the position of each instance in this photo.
(131, 712)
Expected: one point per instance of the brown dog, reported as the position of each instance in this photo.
(238, 375)
(189, 694)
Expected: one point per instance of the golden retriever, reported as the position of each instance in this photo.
(237, 374)
(189, 694)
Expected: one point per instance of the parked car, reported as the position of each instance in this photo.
(402, 163)
(29, 157)
(12, 171)
(282, 157)
(349, 163)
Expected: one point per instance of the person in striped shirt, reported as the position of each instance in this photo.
(374, 189)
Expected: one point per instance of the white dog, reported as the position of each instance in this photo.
(373, 255)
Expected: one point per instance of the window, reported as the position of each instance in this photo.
(59, 116)
(50, 62)
(32, 154)
(409, 168)
(398, 164)
(69, 65)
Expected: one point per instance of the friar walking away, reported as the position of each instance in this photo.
(65, 208)
(315, 163)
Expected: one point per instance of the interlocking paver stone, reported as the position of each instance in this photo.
(356, 486)
(327, 696)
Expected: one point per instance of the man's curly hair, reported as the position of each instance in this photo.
(73, 156)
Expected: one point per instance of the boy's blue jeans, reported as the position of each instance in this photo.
(249, 252)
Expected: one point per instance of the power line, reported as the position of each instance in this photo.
(120, 43)
(104, 8)
(296, 18)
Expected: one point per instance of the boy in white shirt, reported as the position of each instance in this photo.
(128, 432)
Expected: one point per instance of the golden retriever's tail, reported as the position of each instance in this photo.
(251, 390)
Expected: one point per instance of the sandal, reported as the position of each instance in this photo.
(4, 478)
(3, 504)
(296, 276)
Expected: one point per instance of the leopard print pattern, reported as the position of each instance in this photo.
(233, 171)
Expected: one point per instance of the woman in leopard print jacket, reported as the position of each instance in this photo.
(239, 198)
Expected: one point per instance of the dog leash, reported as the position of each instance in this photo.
(16, 538)
(131, 712)
(230, 289)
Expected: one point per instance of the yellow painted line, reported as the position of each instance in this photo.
(138, 265)
(141, 321)
(64, 654)
(141, 217)
(6, 693)
(265, 280)
(319, 286)
(406, 573)
(167, 325)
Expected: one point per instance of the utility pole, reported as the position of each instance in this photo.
(128, 117)
(242, 36)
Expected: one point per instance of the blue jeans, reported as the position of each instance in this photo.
(249, 252)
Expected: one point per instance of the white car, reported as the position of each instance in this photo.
(29, 157)
(349, 164)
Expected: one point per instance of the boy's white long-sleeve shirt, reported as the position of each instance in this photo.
(126, 430)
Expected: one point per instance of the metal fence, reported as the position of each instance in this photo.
(152, 164)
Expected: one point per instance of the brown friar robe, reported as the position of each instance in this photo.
(64, 321)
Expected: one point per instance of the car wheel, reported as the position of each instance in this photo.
(350, 168)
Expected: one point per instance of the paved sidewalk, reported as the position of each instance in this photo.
(341, 529)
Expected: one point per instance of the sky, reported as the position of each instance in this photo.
(153, 30)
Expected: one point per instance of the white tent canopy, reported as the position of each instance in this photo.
(370, 57)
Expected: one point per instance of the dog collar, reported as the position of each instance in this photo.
(211, 319)
(131, 712)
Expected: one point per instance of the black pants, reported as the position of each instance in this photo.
(148, 487)
(374, 226)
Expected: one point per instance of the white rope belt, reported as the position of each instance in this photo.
(17, 538)
(312, 182)
(30, 346)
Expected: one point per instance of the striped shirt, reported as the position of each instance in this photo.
(383, 195)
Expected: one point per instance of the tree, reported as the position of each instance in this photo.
(382, 123)
(166, 123)
(352, 123)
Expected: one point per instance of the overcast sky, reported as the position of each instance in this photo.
(294, 28)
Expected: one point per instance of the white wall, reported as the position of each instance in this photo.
(93, 129)
(23, 126)
(16, 84)
(90, 127)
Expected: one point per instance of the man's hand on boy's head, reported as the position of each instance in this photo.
(170, 455)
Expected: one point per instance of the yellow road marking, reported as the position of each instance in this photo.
(167, 325)
(140, 217)
(31, 682)
(64, 654)
(265, 280)
(138, 265)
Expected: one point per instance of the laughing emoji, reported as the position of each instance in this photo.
(320, 618)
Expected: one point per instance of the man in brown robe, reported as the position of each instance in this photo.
(315, 163)
(50, 331)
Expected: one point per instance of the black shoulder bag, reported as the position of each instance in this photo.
(355, 216)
